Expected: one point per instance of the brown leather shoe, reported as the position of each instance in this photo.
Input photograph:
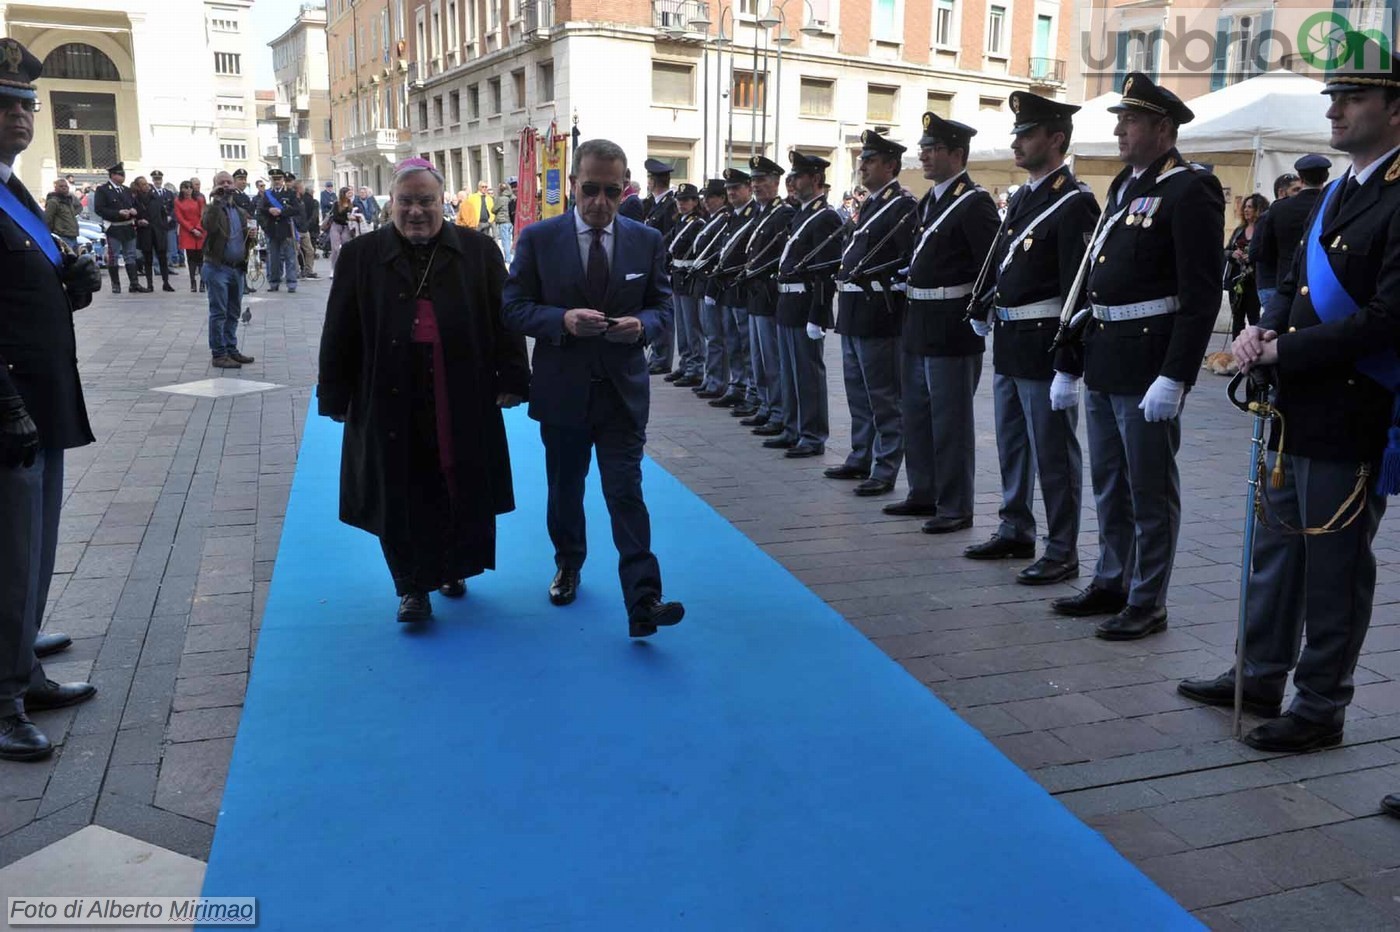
(239, 357)
(225, 362)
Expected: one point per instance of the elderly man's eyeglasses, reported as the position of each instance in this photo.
(30, 105)
(593, 189)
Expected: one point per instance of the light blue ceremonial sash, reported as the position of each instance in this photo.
(30, 223)
(1332, 303)
(273, 198)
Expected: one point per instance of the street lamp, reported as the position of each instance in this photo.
(811, 29)
(784, 38)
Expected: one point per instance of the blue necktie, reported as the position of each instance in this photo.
(596, 277)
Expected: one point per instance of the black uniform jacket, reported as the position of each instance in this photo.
(1043, 267)
(682, 248)
(38, 352)
(1178, 254)
(108, 201)
(662, 214)
(1331, 411)
(281, 226)
(706, 254)
(733, 252)
(765, 249)
(873, 313)
(816, 233)
(1279, 233)
(950, 255)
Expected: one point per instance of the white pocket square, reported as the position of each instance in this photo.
(633, 276)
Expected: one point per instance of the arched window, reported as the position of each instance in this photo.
(78, 62)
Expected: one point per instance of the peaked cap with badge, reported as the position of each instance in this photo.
(713, 188)
(687, 191)
(760, 165)
(950, 133)
(733, 177)
(19, 69)
(873, 144)
(658, 167)
(1363, 78)
(807, 164)
(1031, 110)
(1142, 95)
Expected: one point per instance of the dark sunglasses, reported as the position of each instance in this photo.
(593, 189)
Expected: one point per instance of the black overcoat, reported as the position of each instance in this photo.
(367, 374)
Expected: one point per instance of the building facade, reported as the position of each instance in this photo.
(300, 110)
(367, 51)
(148, 82)
(705, 85)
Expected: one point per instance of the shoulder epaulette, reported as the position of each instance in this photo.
(1392, 174)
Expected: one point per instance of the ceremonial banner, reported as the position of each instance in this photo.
(527, 196)
(555, 161)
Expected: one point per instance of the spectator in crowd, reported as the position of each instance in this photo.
(198, 194)
(342, 224)
(369, 207)
(632, 207)
(308, 221)
(189, 228)
(61, 213)
(328, 197)
(277, 215)
(505, 229)
(1239, 268)
(151, 228)
(477, 209)
(259, 196)
(229, 235)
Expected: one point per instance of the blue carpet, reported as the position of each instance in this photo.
(519, 766)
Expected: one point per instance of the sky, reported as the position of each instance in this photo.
(271, 18)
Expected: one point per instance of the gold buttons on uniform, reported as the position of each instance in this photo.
(1101, 258)
(1292, 329)
(1144, 329)
(28, 243)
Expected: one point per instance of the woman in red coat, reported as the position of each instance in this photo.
(188, 210)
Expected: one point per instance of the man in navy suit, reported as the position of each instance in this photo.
(590, 286)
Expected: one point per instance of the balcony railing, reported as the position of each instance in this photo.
(384, 140)
(537, 14)
(1047, 72)
(676, 15)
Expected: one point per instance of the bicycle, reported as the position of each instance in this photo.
(256, 275)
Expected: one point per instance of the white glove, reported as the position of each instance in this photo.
(1163, 399)
(1064, 392)
(710, 301)
(814, 332)
(980, 327)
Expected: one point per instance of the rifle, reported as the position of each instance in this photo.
(859, 270)
(1071, 320)
(802, 268)
(977, 306)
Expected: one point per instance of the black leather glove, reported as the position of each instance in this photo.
(19, 438)
(81, 275)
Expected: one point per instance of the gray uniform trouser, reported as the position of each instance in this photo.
(871, 369)
(1137, 490)
(712, 322)
(1033, 439)
(763, 352)
(803, 374)
(30, 500)
(737, 349)
(662, 347)
(690, 338)
(1321, 586)
(940, 441)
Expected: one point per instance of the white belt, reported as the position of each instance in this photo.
(682, 263)
(853, 287)
(947, 293)
(792, 287)
(1117, 313)
(1050, 307)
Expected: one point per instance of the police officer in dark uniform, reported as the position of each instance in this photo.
(765, 248)
(1329, 335)
(659, 211)
(1048, 222)
(1281, 228)
(1154, 287)
(733, 304)
(941, 357)
(806, 289)
(243, 202)
(42, 414)
(869, 315)
(115, 203)
(705, 256)
(690, 339)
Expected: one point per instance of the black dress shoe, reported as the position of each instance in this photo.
(21, 739)
(846, 472)
(946, 525)
(564, 588)
(455, 589)
(1002, 548)
(874, 487)
(1390, 805)
(745, 411)
(1046, 572)
(728, 400)
(415, 607)
(769, 429)
(57, 695)
(674, 376)
(652, 613)
(779, 443)
(708, 393)
(910, 509)
(1092, 601)
(1133, 622)
(1292, 733)
(1221, 691)
(688, 381)
(754, 420)
(658, 370)
(804, 450)
(46, 644)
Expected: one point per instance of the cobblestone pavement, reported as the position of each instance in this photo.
(172, 521)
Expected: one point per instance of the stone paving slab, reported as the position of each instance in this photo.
(172, 522)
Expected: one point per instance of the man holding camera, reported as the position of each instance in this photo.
(41, 414)
(229, 231)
